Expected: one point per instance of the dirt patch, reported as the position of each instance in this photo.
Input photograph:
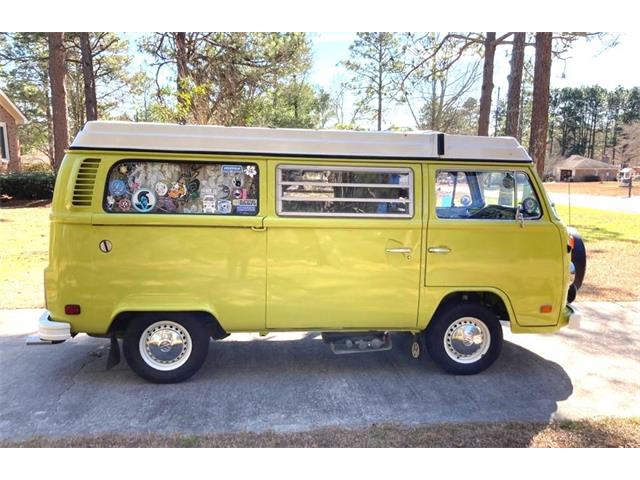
(7, 202)
(585, 433)
(612, 272)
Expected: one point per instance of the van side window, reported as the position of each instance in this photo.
(145, 186)
(344, 191)
(485, 195)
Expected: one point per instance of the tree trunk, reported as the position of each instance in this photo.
(49, 116)
(515, 84)
(90, 100)
(540, 110)
(487, 84)
(380, 92)
(497, 114)
(183, 74)
(57, 72)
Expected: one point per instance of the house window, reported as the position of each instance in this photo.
(344, 191)
(4, 143)
(191, 188)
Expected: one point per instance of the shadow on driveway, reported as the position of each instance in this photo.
(272, 383)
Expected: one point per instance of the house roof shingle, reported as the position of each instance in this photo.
(577, 161)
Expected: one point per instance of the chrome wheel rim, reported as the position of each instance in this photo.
(165, 345)
(467, 340)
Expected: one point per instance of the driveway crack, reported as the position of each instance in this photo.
(73, 381)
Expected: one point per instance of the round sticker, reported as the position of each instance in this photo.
(237, 193)
(193, 185)
(223, 192)
(465, 200)
(224, 206)
(177, 190)
(237, 181)
(161, 189)
(144, 200)
(124, 205)
(117, 187)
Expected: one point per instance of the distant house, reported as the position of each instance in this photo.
(581, 168)
(10, 118)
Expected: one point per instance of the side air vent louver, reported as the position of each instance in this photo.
(85, 181)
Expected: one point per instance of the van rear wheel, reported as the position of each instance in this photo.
(464, 339)
(165, 347)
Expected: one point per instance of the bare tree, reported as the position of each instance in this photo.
(90, 100)
(540, 113)
(515, 84)
(431, 86)
(57, 72)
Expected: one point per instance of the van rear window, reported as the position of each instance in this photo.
(344, 191)
(195, 188)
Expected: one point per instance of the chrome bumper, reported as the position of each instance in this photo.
(50, 331)
(574, 317)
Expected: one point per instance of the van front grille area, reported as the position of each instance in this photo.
(85, 181)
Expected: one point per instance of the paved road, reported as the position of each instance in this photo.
(291, 382)
(601, 202)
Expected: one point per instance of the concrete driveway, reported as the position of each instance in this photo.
(599, 202)
(288, 382)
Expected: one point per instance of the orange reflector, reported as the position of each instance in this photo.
(545, 308)
(72, 309)
(572, 242)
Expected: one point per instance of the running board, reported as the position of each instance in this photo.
(357, 342)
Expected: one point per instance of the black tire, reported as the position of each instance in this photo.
(579, 259)
(445, 318)
(197, 332)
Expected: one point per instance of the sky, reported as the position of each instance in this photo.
(587, 63)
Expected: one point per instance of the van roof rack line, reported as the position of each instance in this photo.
(283, 142)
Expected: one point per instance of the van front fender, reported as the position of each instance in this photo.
(434, 297)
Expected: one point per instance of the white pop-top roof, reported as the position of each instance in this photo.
(293, 142)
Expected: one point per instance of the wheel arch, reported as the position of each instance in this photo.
(122, 319)
(496, 300)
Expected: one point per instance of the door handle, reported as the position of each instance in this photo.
(441, 249)
(399, 250)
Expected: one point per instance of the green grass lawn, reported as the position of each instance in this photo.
(612, 240)
(23, 256)
(597, 225)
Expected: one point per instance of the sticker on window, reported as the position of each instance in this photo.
(182, 188)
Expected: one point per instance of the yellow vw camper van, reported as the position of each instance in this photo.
(166, 236)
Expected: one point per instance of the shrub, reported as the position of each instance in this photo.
(27, 185)
(36, 167)
(591, 178)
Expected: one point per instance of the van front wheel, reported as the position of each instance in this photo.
(167, 347)
(464, 339)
